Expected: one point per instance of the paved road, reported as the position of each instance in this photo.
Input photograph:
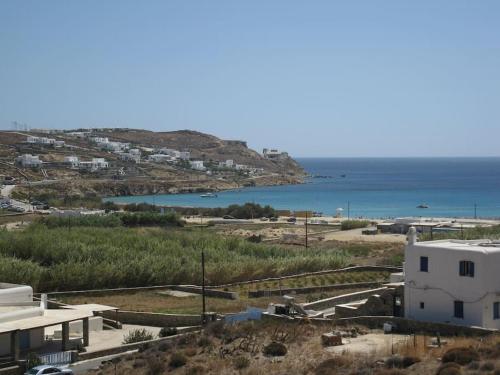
(6, 192)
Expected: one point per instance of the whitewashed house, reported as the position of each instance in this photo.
(171, 152)
(73, 161)
(29, 161)
(184, 155)
(160, 158)
(129, 156)
(452, 281)
(197, 165)
(25, 324)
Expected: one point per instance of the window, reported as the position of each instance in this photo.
(424, 264)
(422, 305)
(496, 310)
(459, 309)
(466, 268)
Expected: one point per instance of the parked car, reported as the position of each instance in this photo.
(264, 219)
(16, 209)
(292, 220)
(273, 219)
(47, 369)
(228, 217)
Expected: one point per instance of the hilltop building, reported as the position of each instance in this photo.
(274, 154)
(452, 281)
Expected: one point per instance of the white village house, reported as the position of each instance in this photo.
(452, 281)
(29, 161)
(24, 323)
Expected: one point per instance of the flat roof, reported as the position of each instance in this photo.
(482, 246)
(49, 318)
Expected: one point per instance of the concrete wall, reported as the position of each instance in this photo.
(37, 340)
(438, 288)
(95, 324)
(11, 293)
(153, 319)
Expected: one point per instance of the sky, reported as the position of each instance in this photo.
(314, 78)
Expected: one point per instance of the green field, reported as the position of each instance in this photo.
(77, 257)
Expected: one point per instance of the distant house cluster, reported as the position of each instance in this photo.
(274, 154)
(44, 141)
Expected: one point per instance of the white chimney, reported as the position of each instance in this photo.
(412, 236)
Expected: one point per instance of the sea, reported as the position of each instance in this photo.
(371, 188)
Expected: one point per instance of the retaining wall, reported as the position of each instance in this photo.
(311, 289)
(327, 303)
(127, 347)
(13, 370)
(153, 319)
(208, 292)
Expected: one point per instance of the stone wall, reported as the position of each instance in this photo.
(208, 292)
(410, 326)
(310, 289)
(153, 319)
(339, 300)
(127, 347)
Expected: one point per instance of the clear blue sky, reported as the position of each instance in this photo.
(316, 78)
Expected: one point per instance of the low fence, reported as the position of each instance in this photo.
(59, 358)
(153, 319)
(312, 289)
(327, 303)
(208, 292)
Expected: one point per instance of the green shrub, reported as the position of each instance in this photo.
(275, 349)
(240, 362)
(137, 335)
(33, 360)
(168, 331)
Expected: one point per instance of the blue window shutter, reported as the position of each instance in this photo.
(471, 269)
(461, 268)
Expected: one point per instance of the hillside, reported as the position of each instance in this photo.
(151, 170)
(203, 146)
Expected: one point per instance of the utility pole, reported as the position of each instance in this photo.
(307, 233)
(348, 210)
(203, 317)
(475, 210)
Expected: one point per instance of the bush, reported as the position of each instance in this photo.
(275, 349)
(241, 362)
(462, 356)
(449, 368)
(155, 365)
(137, 335)
(488, 366)
(167, 331)
(353, 224)
(33, 360)
(177, 360)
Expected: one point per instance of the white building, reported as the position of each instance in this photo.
(160, 158)
(452, 281)
(197, 165)
(171, 152)
(274, 154)
(94, 165)
(99, 139)
(29, 161)
(184, 155)
(72, 161)
(226, 164)
(129, 156)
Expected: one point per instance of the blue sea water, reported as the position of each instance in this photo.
(374, 187)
